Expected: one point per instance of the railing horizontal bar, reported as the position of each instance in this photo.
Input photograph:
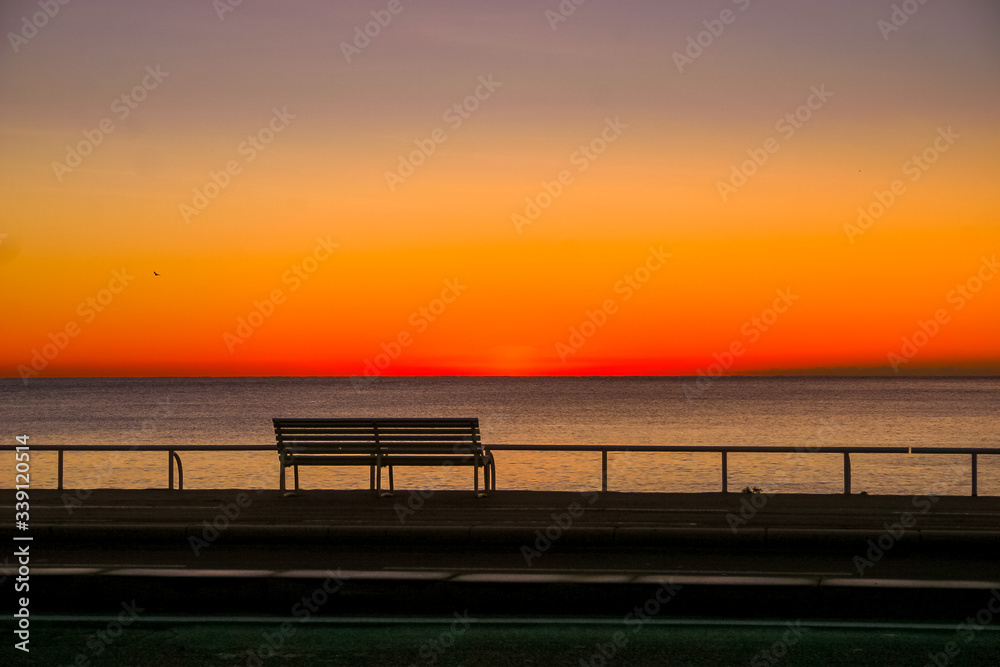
(956, 450)
(707, 448)
(861, 449)
(146, 448)
(552, 448)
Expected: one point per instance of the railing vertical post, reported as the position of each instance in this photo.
(180, 471)
(170, 470)
(725, 472)
(60, 484)
(975, 475)
(604, 470)
(847, 473)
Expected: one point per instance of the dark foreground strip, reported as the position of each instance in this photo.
(336, 594)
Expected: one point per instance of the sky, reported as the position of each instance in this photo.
(432, 187)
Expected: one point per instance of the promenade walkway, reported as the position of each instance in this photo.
(547, 551)
(233, 576)
(611, 518)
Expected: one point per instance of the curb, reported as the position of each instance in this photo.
(631, 536)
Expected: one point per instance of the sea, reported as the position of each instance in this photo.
(803, 412)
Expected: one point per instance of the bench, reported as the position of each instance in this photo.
(382, 443)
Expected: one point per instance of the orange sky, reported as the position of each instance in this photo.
(311, 260)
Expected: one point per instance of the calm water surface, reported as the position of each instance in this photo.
(949, 412)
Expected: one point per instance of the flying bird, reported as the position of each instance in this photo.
(155, 273)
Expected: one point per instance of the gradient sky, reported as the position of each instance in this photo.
(523, 289)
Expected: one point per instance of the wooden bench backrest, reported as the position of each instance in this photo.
(388, 436)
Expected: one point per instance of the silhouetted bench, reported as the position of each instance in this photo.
(382, 443)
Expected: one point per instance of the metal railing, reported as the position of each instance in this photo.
(974, 452)
(174, 457)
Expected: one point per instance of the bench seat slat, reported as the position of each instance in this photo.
(371, 425)
(335, 460)
(403, 460)
(299, 451)
(382, 422)
(323, 437)
(385, 451)
(430, 450)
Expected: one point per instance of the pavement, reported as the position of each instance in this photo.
(431, 551)
(468, 640)
(620, 520)
(617, 516)
(220, 576)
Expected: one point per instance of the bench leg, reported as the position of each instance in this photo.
(378, 464)
(382, 493)
(475, 477)
(281, 484)
(371, 478)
